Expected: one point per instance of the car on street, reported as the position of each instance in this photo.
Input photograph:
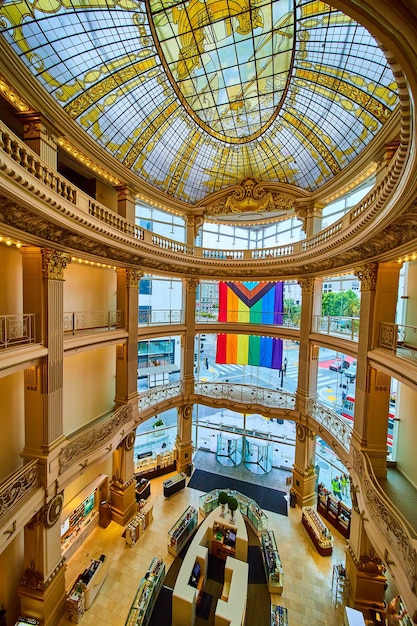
(336, 365)
(350, 373)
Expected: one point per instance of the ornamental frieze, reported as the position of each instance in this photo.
(87, 442)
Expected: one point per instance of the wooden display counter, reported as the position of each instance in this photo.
(317, 530)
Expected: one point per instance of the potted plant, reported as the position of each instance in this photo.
(223, 500)
(233, 504)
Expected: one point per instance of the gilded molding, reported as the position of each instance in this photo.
(133, 277)
(53, 263)
(250, 197)
(192, 284)
(307, 286)
(367, 275)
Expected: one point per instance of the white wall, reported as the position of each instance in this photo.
(89, 386)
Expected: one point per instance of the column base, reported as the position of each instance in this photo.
(304, 487)
(47, 605)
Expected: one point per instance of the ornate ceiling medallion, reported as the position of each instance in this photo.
(229, 62)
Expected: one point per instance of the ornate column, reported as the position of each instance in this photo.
(191, 285)
(123, 484)
(310, 214)
(194, 222)
(127, 353)
(183, 441)
(364, 568)
(379, 293)
(126, 204)
(43, 284)
(42, 585)
(39, 135)
(304, 475)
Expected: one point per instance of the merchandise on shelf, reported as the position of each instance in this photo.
(182, 529)
(317, 530)
(272, 562)
(279, 615)
(146, 595)
(138, 524)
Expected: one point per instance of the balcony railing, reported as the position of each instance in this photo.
(337, 326)
(17, 487)
(16, 330)
(83, 321)
(155, 317)
(267, 318)
(399, 339)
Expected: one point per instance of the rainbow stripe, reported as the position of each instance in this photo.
(252, 303)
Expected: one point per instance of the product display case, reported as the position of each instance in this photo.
(147, 594)
(317, 530)
(174, 484)
(75, 604)
(272, 562)
(138, 524)
(249, 508)
(279, 615)
(336, 512)
(181, 530)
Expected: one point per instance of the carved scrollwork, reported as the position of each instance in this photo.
(133, 277)
(367, 275)
(187, 411)
(301, 432)
(130, 440)
(53, 510)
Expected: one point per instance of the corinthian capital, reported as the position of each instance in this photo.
(53, 263)
(133, 277)
(367, 275)
(307, 286)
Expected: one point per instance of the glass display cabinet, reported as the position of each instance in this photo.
(248, 507)
(181, 530)
(272, 563)
(279, 615)
(146, 595)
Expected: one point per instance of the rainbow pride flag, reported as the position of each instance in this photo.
(251, 303)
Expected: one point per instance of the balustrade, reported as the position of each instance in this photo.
(17, 487)
(16, 330)
(92, 320)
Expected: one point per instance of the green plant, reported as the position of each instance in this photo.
(223, 498)
(233, 504)
(158, 422)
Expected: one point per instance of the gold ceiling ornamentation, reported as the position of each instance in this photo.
(250, 197)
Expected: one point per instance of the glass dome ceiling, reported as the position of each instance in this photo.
(197, 95)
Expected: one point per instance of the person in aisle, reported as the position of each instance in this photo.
(344, 482)
(336, 488)
(393, 616)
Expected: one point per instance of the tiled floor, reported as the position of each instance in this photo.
(307, 575)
